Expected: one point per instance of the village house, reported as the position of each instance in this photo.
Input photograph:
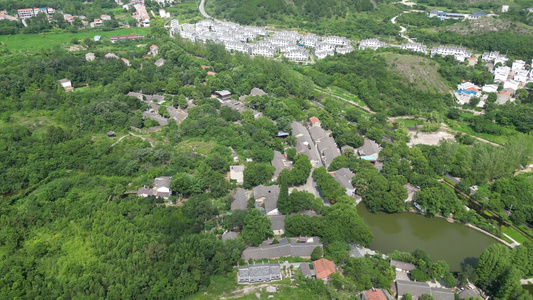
(323, 268)
(266, 199)
(306, 270)
(240, 200)
(280, 162)
(503, 97)
(160, 62)
(277, 224)
(105, 17)
(445, 15)
(229, 235)
(154, 50)
(223, 95)
(111, 55)
(259, 273)
(374, 294)
(237, 173)
(369, 148)
(490, 88)
(90, 56)
(476, 15)
(96, 23)
(126, 62)
(286, 247)
(344, 177)
(417, 289)
(66, 84)
(161, 188)
(305, 144)
(327, 148)
(401, 266)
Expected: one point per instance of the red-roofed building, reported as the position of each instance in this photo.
(375, 294)
(26, 13)
(211, 73)
(315, 121)
(204, 67)
(323, 268)
(154, 50)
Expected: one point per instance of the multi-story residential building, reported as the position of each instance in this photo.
(297, 55)
(373, 44)
(323, 53)
(416, 47)
(345, 49)
(336, 40)
(460, 53)
(26, 13)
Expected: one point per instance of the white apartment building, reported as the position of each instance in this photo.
(373, 44)
(415, 47)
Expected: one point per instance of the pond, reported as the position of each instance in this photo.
(528, 288)
(452, 242)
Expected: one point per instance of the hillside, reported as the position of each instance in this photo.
(488, 25)
(353, 18)
(416, 71)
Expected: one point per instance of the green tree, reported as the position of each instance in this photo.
(317, 253)
(257, 228)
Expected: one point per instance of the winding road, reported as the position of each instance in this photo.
(202, 10)
(403, 29)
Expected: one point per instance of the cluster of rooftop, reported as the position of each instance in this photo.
(458, 16)
(507, 80)
(258, 41)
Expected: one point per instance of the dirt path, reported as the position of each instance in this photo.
(247, 289)
(526, 170)
(365, 108)
(135, 135)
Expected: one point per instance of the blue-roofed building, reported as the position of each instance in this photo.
(476, 15)
(470, 93)
(97, 38)
(282, 134)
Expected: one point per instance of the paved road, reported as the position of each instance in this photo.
(202, 10)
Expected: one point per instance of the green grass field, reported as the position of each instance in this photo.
(515, 235)
(32, 42)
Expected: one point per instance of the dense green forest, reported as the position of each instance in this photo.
(354, 18)
(70, 226)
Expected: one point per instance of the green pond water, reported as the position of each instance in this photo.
(529, 288)
(452, 242)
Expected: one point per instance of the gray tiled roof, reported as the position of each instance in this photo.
(306, 270)
(402, 265)
(278, 222)
(414, 288)
(160, 182)
(280, 162)
(230, 235)
(270, 195)
(369, 148)
(240, 202)
(286, 247)
(344, 177)
(257, 92)
(442, 294)
(317, 133)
